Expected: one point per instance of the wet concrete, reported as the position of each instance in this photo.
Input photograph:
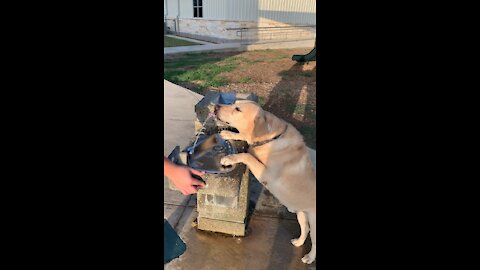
(266, 246)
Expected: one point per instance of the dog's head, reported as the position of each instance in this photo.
(244, 115)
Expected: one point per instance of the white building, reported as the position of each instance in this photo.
(219, 20)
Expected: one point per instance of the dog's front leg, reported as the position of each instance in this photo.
(256, 167)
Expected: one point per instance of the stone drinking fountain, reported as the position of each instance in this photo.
(222, 204)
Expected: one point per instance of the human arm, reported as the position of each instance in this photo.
(181, 177)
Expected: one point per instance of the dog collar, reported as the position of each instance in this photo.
(255, 144)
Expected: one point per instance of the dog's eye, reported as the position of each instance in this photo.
(237, 109)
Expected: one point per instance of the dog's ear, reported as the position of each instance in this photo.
(260, 125)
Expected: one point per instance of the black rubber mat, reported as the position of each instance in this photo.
(173, 246)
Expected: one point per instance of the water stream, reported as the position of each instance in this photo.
(201, 131)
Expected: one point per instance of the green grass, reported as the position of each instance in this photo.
(244, 80)
(202, 69)
(174, 42)
(274, 55)
(306, 74)
(281, 56)
(285, 73)
(290, 73)
(234, 59)
(251, 62)
(299, 109)
(261, 100)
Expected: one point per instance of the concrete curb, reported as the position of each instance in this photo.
(235, 47)
(189, 39)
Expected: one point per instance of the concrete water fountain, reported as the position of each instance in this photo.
(222, 204)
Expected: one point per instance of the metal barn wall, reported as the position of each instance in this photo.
(215, 9)
(170, 8)
(186, 8)
(286, 11)
(289, 11)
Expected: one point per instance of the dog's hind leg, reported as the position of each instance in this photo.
(304, 229)
(312, 220)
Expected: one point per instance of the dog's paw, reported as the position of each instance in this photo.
(296, 242)
(228, 160)
(308, 259)
(227, 135)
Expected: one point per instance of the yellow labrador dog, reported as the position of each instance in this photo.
(278, 158)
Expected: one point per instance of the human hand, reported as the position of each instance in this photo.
(182, 178)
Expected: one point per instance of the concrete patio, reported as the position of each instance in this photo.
(266, 245)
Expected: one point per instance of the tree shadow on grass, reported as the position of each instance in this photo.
(284, 100)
